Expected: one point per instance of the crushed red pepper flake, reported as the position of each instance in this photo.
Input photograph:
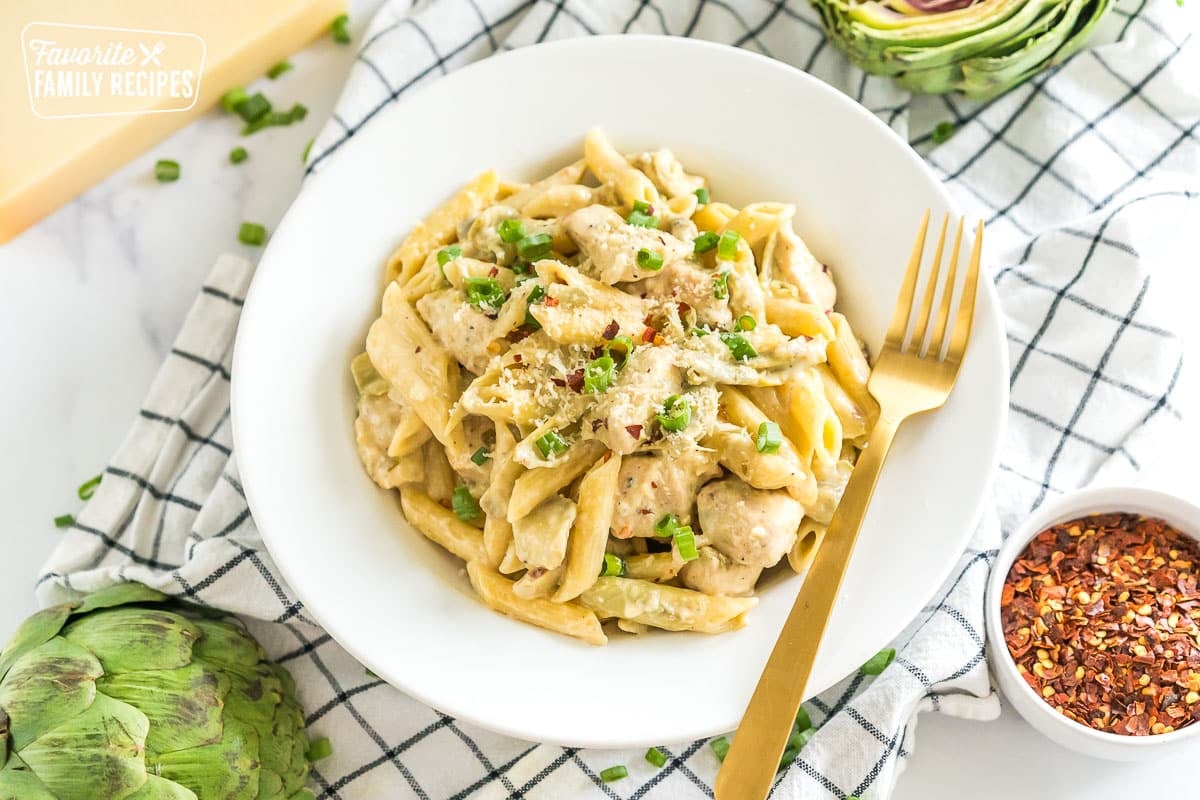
(1102, 616)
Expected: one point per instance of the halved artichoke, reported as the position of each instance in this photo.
(129, 695)
(978, 47)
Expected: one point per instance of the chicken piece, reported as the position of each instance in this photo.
(713, 572)
(751, 526)
(610, 245)
(684, 283)
(622, 416)
(466, 332)
(794, 264)
(541, 535)
(649, 487)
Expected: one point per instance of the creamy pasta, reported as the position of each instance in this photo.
(612, 395)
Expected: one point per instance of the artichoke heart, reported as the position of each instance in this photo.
(131, 695)
(981, 48)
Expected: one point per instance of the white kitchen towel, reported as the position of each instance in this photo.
(1087, 177)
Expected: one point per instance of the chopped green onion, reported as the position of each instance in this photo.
(685, 542)
(738, 346)
(720, 747)
(795, 744)
(464, 505)
(700, 331)
(166, 170)
(64, 521)
(721, 286)
(803, 720)
(667, 526)
(878, 662)
(480, 457)
(237, 155)
(769, 437)
(277, 70)
(746, 323)
(649, 260)
(614, 567)
(613, 774)
(684, 538)
(705, 242)
(536, 295)
(340, 28)
(511, 231)
(252, 233)
(727, 246)
(448, 254)
(307, 148)
(701, 195)
(598, 374)
(550, 444)
(656, 757)
(252, 107)
(621, 345)
(676, 413)
(276, 119)
(89, 488)
(642, 215)
(531, 248)
(231, 99)
(486, 294)
(521, 268)
(318, 749)
(942, 132)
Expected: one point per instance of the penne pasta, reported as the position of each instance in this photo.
(536, 485)
(667, 607)
(441, 526)
(569, 618)
(589, 536)
(808, 541)
(440, 227)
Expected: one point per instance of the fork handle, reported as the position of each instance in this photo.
(749, 768)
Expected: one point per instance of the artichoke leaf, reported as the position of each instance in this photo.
(118, 595)
(131, 638)
(96, 754)
(227, 769)
(156, 788)
(185, 703)
(17, 782)
(37, 630)
(47, 686)
(226, 644)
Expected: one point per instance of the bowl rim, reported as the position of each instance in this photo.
(317, 611)
(1075, 504)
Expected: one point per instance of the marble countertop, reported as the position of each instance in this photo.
(95, 295)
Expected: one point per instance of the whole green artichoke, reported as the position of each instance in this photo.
(979, 47)
(128, 695)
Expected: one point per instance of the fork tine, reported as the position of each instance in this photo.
(939, 330)
(895, 333)
(918, 337)
(966, 306)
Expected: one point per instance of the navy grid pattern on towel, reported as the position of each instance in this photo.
(1086, 176)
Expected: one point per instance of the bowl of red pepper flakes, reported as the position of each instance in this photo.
(1093, 618)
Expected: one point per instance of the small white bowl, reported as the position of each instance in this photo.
(1036, 711)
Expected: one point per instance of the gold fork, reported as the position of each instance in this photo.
(906, 380)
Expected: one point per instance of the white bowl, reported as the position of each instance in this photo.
(1036, 711)
(759, 130)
